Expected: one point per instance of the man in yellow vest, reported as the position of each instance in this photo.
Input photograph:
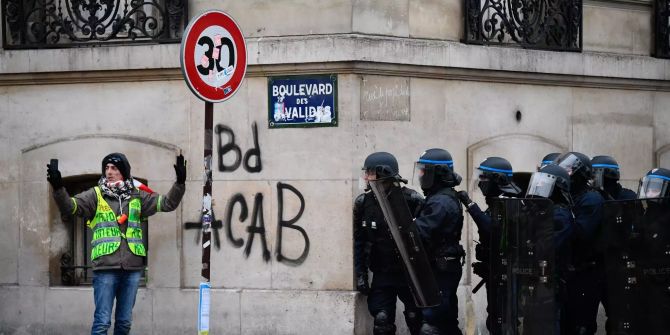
(114, 210)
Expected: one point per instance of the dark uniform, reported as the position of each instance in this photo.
(638, 258)
(439, 222)
(482, 254)
(585, 284)
(622, 193)
(493, 177)
(606, 181)
(375, 249)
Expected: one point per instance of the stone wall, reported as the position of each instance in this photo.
(80, 104)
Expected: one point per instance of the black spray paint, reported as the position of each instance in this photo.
(232, 146)
(257, 224)
(216, 225)
(290, 224)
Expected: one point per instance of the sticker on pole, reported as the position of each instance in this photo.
(203, 309)
(213, 56)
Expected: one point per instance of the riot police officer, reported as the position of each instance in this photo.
(553, 182)
(439, 222)
(655, 184)
(584, 287)
(375, 249)
(493, 177)
(606, 179)
(654, 261)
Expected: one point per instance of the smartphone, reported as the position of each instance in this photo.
(53, 164)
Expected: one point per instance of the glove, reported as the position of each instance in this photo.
(464, 198)
(481, 253)
(481, 269)
(362, 284)
(180, 169)
(54, 177)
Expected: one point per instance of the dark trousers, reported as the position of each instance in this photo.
(385, 290)
(583, 296)
(445, 316)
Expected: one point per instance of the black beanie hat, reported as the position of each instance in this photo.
(120, 161)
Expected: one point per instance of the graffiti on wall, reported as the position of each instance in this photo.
(255, 227)
(231, 146)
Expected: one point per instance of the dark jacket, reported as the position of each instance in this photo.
(624, 194)
(588, 211)
(373, 244)
(481, 218)
(615, 191)
(84, 205)
(440, 221)
(563, 225)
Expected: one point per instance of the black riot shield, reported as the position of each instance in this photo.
(523, 267)
(636, 235)
(406, 237)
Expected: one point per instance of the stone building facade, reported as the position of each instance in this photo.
(406, 82)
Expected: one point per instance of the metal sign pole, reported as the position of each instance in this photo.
(205, 286)
(207, 193)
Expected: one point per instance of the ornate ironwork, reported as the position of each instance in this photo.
(533, 24)
(67, 23)
(662, 28)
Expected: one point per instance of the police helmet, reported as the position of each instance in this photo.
(383, 164)
(656, 184)
(578, 166)
(493, 176)
(551, 182)
(548, 159)
(604, 167)
(435, 167)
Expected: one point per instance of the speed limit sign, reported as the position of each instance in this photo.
(213, 56)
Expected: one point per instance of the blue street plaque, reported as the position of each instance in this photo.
(302, 101)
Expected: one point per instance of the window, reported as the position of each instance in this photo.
(532, 24)
(70, 262)
(32, 24)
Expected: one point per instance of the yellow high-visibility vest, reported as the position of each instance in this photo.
(106, 233)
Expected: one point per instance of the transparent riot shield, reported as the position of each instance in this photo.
(406, 237)
(637, 262)
(524, 267)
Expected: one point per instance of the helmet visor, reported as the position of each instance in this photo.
(541, 185)
(610, 171)
(652, 186)
(598, 181)
(424, 175)
(477, 176)
(365, 177)
(569, 162)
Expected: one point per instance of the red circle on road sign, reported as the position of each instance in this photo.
(213, 56)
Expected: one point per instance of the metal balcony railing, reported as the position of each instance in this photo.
(533, 24)
(32, 24)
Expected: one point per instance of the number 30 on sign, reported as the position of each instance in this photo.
(213, 56)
